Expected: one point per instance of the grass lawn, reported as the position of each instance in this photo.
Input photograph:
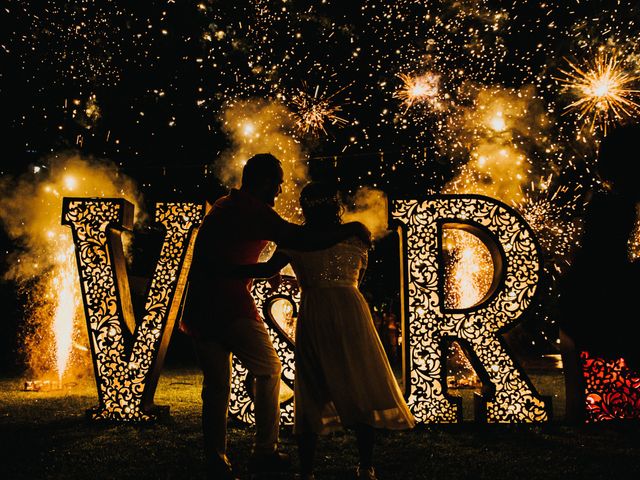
(46, 435)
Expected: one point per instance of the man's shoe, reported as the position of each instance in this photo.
(365, 473)
(219, 468)
(270, 462)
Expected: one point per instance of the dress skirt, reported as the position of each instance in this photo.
(343, 376)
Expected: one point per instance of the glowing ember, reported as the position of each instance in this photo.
(603, 90)
(634, 240)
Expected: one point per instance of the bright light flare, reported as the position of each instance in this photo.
(603, 89)
(470, 271)
(498, 123)
(70, 182)
(248, 129)
(64, 283)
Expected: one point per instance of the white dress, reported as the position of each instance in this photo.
(343, 376)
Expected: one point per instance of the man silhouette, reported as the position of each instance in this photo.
(222, 318)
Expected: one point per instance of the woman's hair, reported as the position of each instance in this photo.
(321, 204)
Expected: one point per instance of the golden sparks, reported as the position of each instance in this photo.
(604, 91)
(313, 111)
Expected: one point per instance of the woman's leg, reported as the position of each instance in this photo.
(365, 436)
(307, 443)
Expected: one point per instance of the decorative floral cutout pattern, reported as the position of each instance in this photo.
(612, 390)
(241, 404)
(127, 378)
(429, 324)
(126, 384)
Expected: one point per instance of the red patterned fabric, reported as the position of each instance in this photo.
(612, 390)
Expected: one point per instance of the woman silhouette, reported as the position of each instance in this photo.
(343, 376)
(598, 293)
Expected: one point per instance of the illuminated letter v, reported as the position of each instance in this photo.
(126, 378)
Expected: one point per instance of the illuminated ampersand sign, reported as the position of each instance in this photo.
(241, 404)
(127, 377)
(431, 326)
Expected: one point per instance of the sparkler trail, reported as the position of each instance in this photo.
(552, 211)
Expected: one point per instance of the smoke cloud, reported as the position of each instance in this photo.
(369, 206)
(258, 126)
(498, 133)
(43, 264)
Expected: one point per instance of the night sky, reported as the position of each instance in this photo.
(161, 73)
(412, 97)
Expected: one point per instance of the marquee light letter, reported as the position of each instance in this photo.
(241, 404)
(430, 325)
(127, 377)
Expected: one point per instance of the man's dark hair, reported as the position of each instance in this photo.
(259, 168)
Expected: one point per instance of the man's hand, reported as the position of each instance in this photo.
(361, 231)
(275, 281)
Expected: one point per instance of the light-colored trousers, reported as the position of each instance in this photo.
(249, 341)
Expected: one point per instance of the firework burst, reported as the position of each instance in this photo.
(313, 111)
(551, 211)
(603, 89)
(419, 89)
